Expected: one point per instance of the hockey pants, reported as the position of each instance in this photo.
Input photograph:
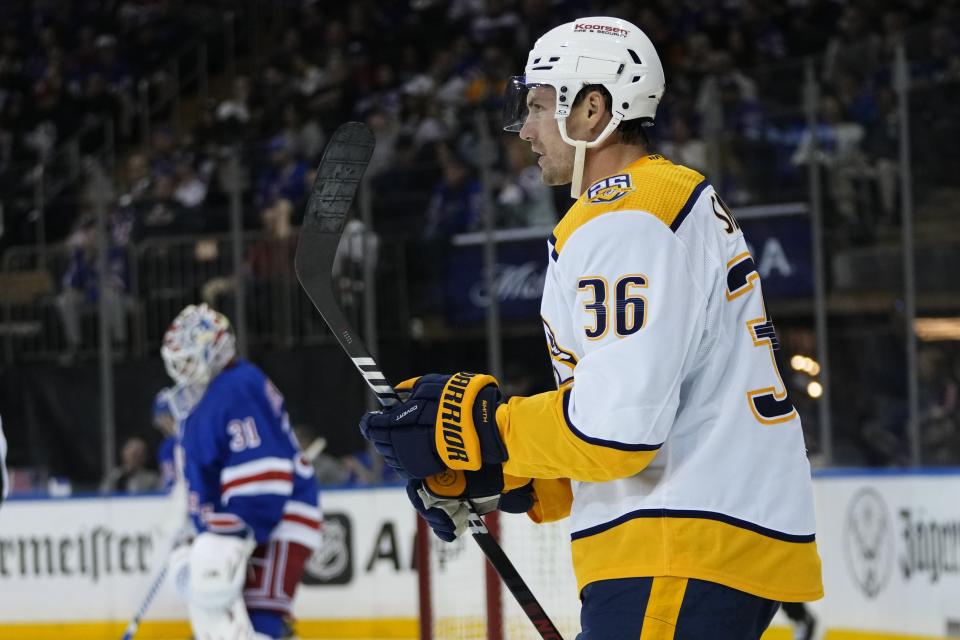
(668, 608)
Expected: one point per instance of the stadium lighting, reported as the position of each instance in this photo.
(806, 364)
(937, 329)
(815, 389)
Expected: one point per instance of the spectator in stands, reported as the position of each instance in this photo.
(98, 105)
(726, 104)
(882, 146)
(159, 213)
(111, 66)
(285, 178)
(853, 47)
(387, 132)
(302, 135)
(939, 408)
(137, 181)
(272, 280)
(132, 476)
(839, 153)
(190, 190)
(81, 288)
(455, 206)
(234, 113)
(163, 151)
(684, 148)
(523, 200)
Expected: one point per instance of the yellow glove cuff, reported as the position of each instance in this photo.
(456, 433)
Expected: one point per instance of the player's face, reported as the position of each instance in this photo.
(541, 131)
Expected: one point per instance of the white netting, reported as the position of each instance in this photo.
(458, 589)
(541, 554)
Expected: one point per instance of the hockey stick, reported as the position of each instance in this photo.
(134, 623)
(338, 180)
(154, 588)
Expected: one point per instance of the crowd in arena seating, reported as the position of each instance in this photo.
(418, 72)
(415, 72)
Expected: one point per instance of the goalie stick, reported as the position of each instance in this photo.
(178, 497)
(134, 624)
(337, 182)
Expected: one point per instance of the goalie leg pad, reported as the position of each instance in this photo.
(221, 623)
(218, 569)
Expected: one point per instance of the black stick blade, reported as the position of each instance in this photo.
(338, 177)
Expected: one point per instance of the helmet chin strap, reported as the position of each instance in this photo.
(580, 153)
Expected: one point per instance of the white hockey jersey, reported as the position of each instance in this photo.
(671, 419)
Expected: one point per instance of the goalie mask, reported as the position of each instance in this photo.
(197, 346)
(606, 51)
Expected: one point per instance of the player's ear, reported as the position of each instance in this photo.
(596, 113)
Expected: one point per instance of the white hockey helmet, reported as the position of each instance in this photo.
(198, 345)
(607, 51)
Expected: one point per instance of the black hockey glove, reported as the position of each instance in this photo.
(447, 422)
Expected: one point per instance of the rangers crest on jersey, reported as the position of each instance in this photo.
(609, 189)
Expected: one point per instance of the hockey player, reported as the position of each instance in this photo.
(252, 495)
(691, 509)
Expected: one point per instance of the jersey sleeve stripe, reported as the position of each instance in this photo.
(225, 523)
(258, 487)
(266, 475)
(308, 522)
(692, 513)
(293, 530)
(255, 467)
(302, 509)
(688, 205)
(613, 444)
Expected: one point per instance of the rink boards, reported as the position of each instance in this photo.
(79, 567)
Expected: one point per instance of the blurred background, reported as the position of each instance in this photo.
(155, 153)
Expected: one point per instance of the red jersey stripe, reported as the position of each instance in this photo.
(310, 522)
(266, 475)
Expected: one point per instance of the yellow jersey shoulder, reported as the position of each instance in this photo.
(652, 185)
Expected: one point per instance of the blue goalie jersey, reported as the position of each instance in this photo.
(243, 466)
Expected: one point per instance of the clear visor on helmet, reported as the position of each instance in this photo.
(515, 103)
(518, 99)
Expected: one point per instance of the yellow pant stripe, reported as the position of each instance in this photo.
(701, 548)
(663, 608)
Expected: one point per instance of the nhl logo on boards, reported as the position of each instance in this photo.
(332, 564)
(609, 189)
